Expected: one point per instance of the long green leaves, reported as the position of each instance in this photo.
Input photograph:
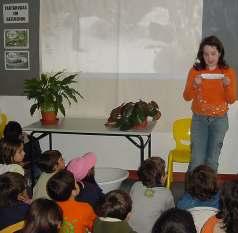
(49, 91)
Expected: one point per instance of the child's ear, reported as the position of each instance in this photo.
(23, 197)
(75, 191)
(128, 216)
(163, 179)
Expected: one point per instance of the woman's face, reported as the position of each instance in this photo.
(19, 155)
(211, 56)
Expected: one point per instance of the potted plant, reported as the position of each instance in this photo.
(49, 93)
(133, 115)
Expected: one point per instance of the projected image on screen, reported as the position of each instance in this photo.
(120, 36)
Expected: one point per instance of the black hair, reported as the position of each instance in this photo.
(229, 206)
(11, 185)
(175, 221)
(12, 131)
(60, 185)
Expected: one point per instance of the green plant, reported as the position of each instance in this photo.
(131, 115)
(50, 91)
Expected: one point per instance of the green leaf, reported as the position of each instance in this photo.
(33, 108)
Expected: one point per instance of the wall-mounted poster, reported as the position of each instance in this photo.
(17, 60)
(16, 38)
(16, 13)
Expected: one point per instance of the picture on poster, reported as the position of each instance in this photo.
(17, 60)
(15, 13)
(16, 38)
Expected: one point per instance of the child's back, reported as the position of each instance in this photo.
(49, 162)
(12, 197)
(83, 171)
(113, 213)
(150, 199)
(78, 216)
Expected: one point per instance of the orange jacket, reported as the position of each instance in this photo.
(78, 216)
(211, 98)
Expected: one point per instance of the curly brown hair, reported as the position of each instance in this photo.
(202, 183)
(151, 171)
(229, 206)
(215, 42)
(117, 204)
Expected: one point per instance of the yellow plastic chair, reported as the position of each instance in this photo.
(3, 122)
(182, 152)
(12, 228)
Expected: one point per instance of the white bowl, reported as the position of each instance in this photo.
(109, 178)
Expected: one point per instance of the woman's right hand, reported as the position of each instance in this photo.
(197, 81)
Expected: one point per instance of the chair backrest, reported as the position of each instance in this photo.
(12, 228)
(181, 133)
(3, 122)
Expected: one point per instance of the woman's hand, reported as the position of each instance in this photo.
(197, 81)
(226, 81)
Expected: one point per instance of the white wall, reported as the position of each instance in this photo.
(119, 152)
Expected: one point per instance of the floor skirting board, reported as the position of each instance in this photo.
(180, 176)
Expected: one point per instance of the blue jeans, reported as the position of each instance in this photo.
(207, 135)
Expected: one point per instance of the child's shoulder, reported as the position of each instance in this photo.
(83, 206)
(159, 189)
(11, 168)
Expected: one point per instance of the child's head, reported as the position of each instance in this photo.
(11, 151)
(13, 189)
(174, 221)
(216, 44)
(229, 206)
(117, 204)
(43, 216)
(13, 131)
(51, 161)
(202, 182)
(82, 166)
(152, 172)
(62, 186)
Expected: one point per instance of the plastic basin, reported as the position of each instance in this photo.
(109, 178)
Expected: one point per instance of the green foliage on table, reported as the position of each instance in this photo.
(50, 91)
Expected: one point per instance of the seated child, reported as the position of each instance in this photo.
(225, 221)
(13, 199)
(113, 213)
(50, 162)
(202, 196)
(175, 221)
(149, 196)
(78, 216)
(201, 189)
(43, 216)
(83, 171)
(11, 156)
(12, 132)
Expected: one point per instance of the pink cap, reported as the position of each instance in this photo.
(80, 166)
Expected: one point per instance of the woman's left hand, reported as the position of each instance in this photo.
(226, 81)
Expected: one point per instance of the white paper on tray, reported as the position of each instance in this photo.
(212, 76)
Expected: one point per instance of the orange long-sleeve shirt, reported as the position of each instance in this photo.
(78, 216)
(211, 98)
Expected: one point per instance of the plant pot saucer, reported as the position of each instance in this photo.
(44, 122)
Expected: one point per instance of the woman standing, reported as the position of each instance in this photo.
(211, 85)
